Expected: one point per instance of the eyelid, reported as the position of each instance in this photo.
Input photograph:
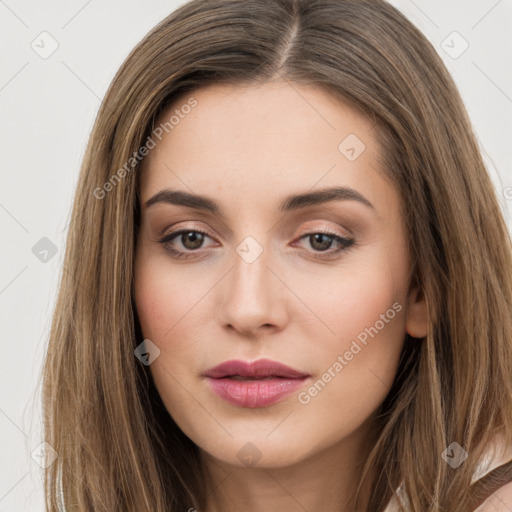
(327, 231)
(304, 231)
(188, 227)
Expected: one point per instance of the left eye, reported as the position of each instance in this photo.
(322, 242)
(192, 240)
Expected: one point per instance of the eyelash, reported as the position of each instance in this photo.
(344, 243)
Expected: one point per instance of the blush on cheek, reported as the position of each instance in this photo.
(150, 307)
(360, 304)
(153, 295)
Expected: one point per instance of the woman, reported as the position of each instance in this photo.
(287, 276)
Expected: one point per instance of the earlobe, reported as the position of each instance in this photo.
(416, 322)
(409, 333)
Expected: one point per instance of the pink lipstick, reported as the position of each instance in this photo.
(255, 384)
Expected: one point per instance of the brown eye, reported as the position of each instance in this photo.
(190, 240)
(321, 242)
(194, 238)
(184, 243)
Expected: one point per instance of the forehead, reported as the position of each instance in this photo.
(262, 142)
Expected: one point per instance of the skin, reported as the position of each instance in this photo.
(500, 501)
(248, 148)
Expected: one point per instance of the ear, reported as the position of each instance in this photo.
(416, 320)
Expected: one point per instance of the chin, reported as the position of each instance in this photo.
(257, 451)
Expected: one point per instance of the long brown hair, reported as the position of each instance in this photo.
(118, 448)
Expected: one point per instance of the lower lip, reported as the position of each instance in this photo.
(254, 393)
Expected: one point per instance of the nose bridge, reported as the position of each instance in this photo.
(250, 268)
(250, 273)
(253, 295)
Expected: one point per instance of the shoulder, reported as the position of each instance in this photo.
(499, 501)
(497, 473)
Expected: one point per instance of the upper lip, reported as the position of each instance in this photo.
(257, 369)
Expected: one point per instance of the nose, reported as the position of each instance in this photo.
(253, 297)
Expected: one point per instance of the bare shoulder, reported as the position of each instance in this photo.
(500, 501)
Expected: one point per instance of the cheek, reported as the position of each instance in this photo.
(357, 296)
(162, 297)
(367, 319)
(172, 315)
(162, 305)
(152, 301)
(356, 366)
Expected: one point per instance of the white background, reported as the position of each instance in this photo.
(48, 108)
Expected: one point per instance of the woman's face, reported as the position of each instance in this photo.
(288, 246)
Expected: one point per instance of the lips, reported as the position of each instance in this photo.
(257, 384)
(263, 368)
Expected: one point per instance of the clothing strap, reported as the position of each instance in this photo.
(489, 484)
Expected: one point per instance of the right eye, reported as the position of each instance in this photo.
(191, 240)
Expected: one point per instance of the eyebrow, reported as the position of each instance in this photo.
(290, 203)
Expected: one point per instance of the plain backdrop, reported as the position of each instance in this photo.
(49, 102)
